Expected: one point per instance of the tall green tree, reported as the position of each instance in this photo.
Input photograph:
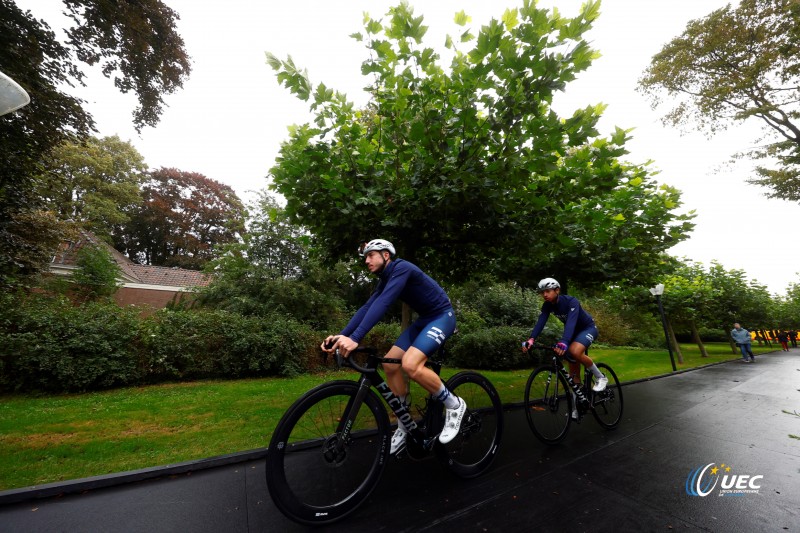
(184, 220)
(467, 168)
(787, 308)
(273, 242)
(98, 275)
(271, 270)
(688, 296)
(135, 42)
(93, 183)
(735, 64)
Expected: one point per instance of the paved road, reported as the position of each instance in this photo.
(631, 479)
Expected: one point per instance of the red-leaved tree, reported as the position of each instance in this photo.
(184, 219)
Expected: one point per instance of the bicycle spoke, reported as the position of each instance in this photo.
(547, 405)
(315, 473)
(607, 405)
(475, 446)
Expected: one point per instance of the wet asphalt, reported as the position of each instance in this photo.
(635, 478)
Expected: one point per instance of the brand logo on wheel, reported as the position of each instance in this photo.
(703, 480)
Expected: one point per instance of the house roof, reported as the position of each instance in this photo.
(67, 255)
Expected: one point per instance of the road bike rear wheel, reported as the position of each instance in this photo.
(607, 405)
(475, 446)
(315, 475)
(548, 404)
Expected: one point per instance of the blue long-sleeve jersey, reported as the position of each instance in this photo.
(404, 281)
(569, 311)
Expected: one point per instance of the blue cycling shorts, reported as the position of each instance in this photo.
(587, 336)
(429, 333)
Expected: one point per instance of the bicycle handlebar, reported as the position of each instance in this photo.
(348, 361)
(371, 354)
(538, 347)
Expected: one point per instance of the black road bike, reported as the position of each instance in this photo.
(551, 395)
(330, 448)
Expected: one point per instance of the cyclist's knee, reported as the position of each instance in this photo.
(575, 354)
(413, 368)
(391, 370)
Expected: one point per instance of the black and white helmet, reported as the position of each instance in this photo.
(376, 244)
(548, 283)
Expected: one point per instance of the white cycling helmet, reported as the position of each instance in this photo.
(548, 283)
(376, 244)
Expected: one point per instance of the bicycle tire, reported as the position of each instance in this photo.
(475, 447)
(309, 480)
(607, 405)
(548, 404)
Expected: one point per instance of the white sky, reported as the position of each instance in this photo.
(231, 116)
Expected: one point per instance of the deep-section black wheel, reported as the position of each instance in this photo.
(475, 447)
(548, 404)
(314, 474)
(607, 405)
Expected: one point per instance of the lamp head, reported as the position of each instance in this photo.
(658, 290)
(12, 96)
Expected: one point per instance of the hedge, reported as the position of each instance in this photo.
(48, 344)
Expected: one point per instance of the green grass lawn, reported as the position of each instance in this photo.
(53, 438)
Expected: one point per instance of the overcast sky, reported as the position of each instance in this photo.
(231, 116)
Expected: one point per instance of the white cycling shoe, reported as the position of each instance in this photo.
(398, 441)
(600, 386)
(452, 421)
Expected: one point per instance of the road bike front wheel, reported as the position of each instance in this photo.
(548, 404)
(475, 446)
(316, 474)
(607, 405)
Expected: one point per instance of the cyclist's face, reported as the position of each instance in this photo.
(375, 261)
(550, 295)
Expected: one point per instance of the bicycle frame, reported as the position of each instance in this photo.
(371, 378)
(577, 389)
(330, 448)
(605, 406)
(558, 365)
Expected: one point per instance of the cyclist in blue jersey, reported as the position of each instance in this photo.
(399, 279)
(580, 331)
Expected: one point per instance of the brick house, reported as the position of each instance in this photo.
(152, 287)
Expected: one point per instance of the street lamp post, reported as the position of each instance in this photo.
(657, 291)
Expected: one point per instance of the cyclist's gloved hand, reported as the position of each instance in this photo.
(561, 346)
(527, 344)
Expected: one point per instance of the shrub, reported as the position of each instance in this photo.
(50, 345)
(257, 293)
(613, 329)
(496, 348)
(500, 304)
(382, 336)
(193, 344)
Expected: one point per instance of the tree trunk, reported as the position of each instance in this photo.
(405, 321)
(674, 341)
(734, 349)
(766, 338)
(697, 340)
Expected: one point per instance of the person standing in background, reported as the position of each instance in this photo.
(742, 339)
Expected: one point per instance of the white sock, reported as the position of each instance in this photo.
(596, 371)
(450, 400)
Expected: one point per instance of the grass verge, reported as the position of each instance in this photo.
(45, 439)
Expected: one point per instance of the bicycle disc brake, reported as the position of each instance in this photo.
(334, 451)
